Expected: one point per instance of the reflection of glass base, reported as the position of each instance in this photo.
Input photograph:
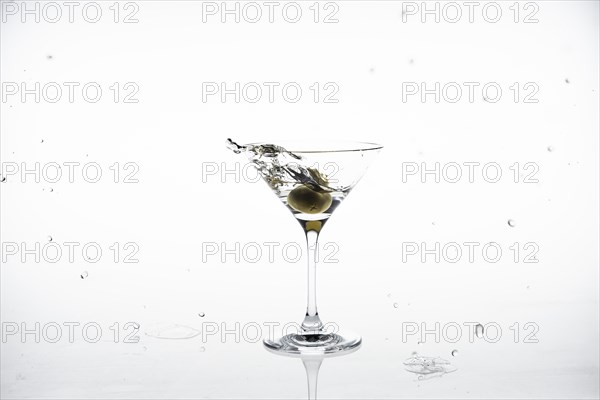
(314, 343)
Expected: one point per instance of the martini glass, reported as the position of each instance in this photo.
(311, 178)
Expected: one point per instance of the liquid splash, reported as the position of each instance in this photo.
(428, 366)
(280, 167)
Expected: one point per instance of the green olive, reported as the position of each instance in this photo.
(306, 200)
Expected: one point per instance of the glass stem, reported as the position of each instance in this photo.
(312, 375)
(312, 322)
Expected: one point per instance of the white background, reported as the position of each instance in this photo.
(174, 210)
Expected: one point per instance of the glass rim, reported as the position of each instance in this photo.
(345, 146)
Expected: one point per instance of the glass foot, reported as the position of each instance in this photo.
(314, 343)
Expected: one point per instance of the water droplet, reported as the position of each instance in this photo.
(395, 305)
(42, 141)
(479, 330)
(84, 275)
(454, 353)
(511, 223)
(202, 349)
(428, 367)
(49, 56)
(414, 353)
(433, 223)
(51, 190)
(411, 61)
(550, 149)
(527, 287)
(136, 325)
(201, 315)
(389, 295)
(3, 179)
(371, 70)
(567, 80)
(49, 238)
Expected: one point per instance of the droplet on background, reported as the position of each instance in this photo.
(84, 275)
(567, 80)
(49, 238)
(3, 179)
(395, 305)
(42, 141)
(550, 148)
(201, 315)
(202, 349)
(454, 353)
(511, 223)
(479, 330)
(428, 367)
(49, 57)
